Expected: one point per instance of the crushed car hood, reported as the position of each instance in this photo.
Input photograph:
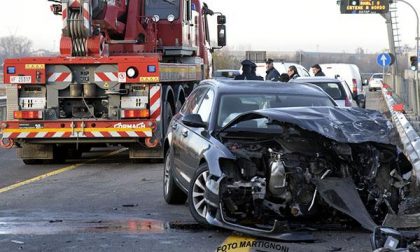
(345, 125)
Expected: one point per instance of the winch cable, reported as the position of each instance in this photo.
(78, 34)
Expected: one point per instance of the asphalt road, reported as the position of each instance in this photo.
(106, 203)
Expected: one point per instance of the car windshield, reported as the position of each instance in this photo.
(231, 105)
(333, 89)
(162, 8)
(377, 76)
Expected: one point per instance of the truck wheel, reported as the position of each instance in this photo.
(171, 192)
(59, 154)
(73, 153)
(196, 195)
(178, 106)
(168, 113)
(32, 161)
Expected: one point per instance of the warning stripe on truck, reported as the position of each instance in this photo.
(106, 76)
(59, 77)
(64, 14)
(155, 102)
(77, 133)
(86, 15)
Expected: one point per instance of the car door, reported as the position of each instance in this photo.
(196, 140)
(178, 142)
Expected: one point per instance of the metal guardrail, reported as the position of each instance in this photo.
(409, 137)
(404, 87)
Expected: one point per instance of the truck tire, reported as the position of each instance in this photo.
(59, 154)
(167, 116)
(32, 161)
(178, 106)
(171, 192)
(73, 153)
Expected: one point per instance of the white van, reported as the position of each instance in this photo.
(281, 68)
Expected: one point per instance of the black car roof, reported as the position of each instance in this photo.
(245, 86)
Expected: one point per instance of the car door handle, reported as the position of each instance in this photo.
(174, 126)
(185, 133)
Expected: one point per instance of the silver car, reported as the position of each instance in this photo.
(337, 89)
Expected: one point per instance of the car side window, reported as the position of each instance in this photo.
(206, 105)
(193, 101)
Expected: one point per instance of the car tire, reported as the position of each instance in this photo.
(171, 192)
(196, 194)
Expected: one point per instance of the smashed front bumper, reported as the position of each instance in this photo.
(276, 232)
(339, 193)
(217, 218)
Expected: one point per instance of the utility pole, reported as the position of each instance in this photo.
(417, 53)
(391, 41)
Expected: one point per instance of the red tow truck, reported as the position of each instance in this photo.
(125, 67)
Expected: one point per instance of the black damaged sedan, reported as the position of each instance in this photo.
(265, 158)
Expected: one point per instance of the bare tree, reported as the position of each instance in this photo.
(223, 59)
(14, 47)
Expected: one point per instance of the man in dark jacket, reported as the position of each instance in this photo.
(249, 69)
(272, 73)
(317, 70)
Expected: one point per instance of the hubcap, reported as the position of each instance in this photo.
(198, 191)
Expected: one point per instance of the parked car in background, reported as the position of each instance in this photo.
(349, 73)
(226, 74)
(337, 89)
(282, 67)
(267, 158)
(376, 81)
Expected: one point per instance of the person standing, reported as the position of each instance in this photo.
(272, 73)
(249, 70)
(293, 73)
(317, 70)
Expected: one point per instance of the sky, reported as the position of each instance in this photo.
(271, 25)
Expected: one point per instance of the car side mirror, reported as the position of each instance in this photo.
(194, 121)
(365, 82)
